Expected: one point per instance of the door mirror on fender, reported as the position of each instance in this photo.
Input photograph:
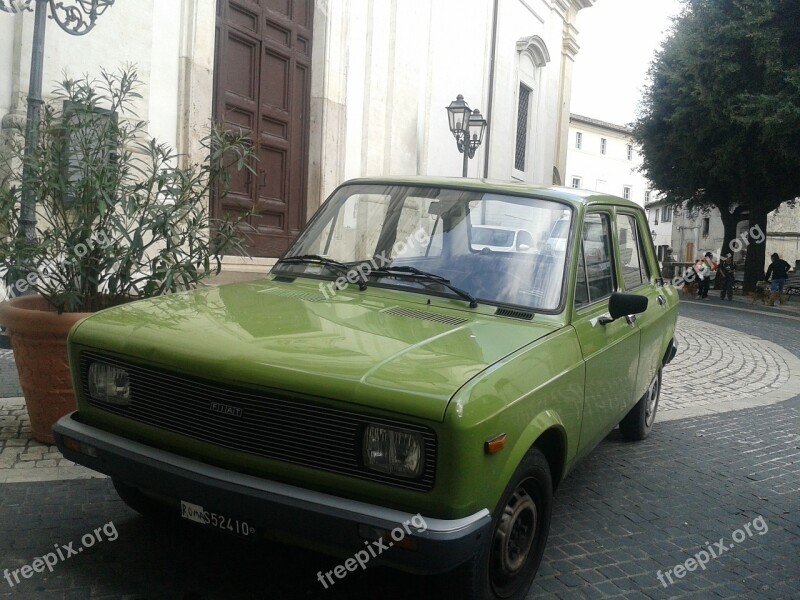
(622, 305)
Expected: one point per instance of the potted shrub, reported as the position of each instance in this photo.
(120, 216)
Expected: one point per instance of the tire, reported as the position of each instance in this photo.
(506, 563)
(145, 505)
(638, 423)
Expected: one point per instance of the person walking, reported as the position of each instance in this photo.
(727, 270)
(778, 271)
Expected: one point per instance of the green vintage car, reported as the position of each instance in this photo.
(389, 365)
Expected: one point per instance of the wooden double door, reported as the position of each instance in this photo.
(262, 81)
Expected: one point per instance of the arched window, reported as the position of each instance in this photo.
(532, 56)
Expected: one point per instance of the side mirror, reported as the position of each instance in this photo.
(622, 305)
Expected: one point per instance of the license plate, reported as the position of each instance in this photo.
(196, 513)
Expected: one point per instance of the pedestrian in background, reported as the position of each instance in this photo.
(727, 271)
(708, 270)
(779, 273)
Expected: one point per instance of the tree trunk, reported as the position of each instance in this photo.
(729, 222)
(756, 250)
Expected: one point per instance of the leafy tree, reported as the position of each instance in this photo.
(719, 122)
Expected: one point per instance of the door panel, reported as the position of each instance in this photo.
(610, 351)
(261, 87)
(634, 239)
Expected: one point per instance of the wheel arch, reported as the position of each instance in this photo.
(547, 434)
(552, 444)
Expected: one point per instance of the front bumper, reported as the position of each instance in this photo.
(297, 515)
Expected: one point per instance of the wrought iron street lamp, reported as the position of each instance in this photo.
(467, 126)
(76, 17)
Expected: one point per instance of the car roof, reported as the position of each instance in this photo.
(573, 196)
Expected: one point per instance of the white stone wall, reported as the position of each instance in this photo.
(156, 37)
(783, 235)
(382, 75)
(610, 172)
(400, 64)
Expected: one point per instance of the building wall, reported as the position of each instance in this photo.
(608, 173)
(783, 233)
(153, 49)
(659, 220)
(381, 111)
(382, 74)
(689, 242)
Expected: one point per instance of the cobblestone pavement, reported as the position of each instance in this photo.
(9, 382)
(719, 369)
(626, 513)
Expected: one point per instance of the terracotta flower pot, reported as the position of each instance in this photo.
(39, 339)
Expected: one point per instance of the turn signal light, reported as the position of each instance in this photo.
(81, 448)
(494, 445)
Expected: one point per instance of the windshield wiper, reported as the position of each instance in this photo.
(332, 265)
(421, 276)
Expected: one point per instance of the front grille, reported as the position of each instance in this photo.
(280, 428)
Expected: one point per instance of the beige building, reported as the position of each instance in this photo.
(692, 233)
(602, 157)
(328, 89)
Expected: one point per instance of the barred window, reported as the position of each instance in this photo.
(578, 140)
(522, 127)
(603, 144)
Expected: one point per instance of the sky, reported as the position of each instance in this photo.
(617, 40)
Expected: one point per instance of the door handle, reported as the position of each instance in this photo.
(661, 300)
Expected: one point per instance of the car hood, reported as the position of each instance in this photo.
(377, 348)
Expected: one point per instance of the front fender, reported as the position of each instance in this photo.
(537, 389)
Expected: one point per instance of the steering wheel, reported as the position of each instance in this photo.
(482, 283)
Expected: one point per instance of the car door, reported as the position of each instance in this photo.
(638, 277)
(611, 350)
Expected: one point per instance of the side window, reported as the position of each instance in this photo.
(631, 256)
(595, 277)
(581, 287)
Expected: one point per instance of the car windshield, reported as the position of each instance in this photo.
(383, 234)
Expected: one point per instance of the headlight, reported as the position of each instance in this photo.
(393, 451)
(109, 384)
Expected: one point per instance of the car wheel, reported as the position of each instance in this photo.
(639, 421)
(507, 561)
(145, 505)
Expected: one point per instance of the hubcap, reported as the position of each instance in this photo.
(652, 401)
(515, 533)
